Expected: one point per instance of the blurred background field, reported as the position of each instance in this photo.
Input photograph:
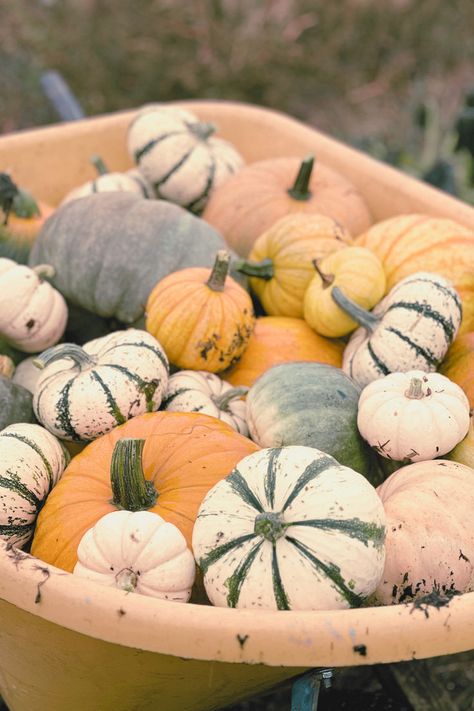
(392, 77)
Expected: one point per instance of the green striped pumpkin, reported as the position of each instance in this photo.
(410, 329)
(84, 392)
(32, 461)
(129, 181)
(290, 529)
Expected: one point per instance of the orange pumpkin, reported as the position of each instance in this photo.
(464, 451)
(282, 339)
(203, 318)
(260, 193)
(458, 364)
(406, 244)
(25, 216)
(184, 455)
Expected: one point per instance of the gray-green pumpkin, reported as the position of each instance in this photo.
(309, 404)
(109, 250)
(15, 403)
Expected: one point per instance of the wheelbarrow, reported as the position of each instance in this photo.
(67, 643)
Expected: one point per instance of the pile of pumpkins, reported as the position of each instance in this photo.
(223, 382)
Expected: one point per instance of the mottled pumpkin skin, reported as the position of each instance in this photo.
(110, 249)
(458, 364)
(411, 243)
(249, 202)
(184, 455)
(281, 339)
(15, 403)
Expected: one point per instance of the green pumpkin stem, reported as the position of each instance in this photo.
(261, 270)
(219, 272)
(327, 279)
(65, 350)
(300, 188)
(364, 318)
(202, 130)
(222, 401)
(269, 525)
(415, 389)
(99, 165)
(44, 271)
(16, 200)
(130, 490)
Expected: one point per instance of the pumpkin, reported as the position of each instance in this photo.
(280, 265)
(281, 339)
(430, 533)
(131, 181)
(203, 318)
(458, 364)
(22, 217)
(410, 329)
(7, 366)
(253, 199)
(33, 314)
(109, 250)
(31, 463)
(16, 403)
(290, 529)
(308, 404)
(27, 374)
(358, 273)
(200, 391)
(413, 416)
(179, 155)
(410, 243)
(85, 391)
(183, 456)
(137, 551)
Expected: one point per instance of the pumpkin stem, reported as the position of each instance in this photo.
(327, 279)
(99, 165)
(127, 580)
(364, 318)
(269, 525)
(202, 130)
(44, 271)
(222, 401)
(7, 366)
(16, 200)
(415, 389)
(261, 270)
(219, 272)
(81, 358)
(300, 188)
(130, 490)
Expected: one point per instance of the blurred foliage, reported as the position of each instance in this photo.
(365, 71)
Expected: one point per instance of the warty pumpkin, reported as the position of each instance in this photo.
(280, 264)
(429, 544)
(458, 364)
(203, 318)
(410, 243)
(281, 339)
(253, 199)
(183, 456)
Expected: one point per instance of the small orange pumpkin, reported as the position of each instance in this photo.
(458, 364)
(249, 202)
(282, 339)
(183, 456)
(21, 215)
(203, 318)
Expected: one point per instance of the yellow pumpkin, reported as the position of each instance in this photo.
(458, 364)
(280, 265)
(358, 273)
(202, 318)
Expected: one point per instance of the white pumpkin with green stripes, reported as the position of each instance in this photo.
(410, 329)
(132, 181)
(207, 393)
(85, 391)
(290, 529)
(179, 155)
(32, 461)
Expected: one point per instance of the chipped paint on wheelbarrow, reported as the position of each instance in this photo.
(67, 643)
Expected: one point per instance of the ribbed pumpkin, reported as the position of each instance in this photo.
(430, 531)
(281, 339)
(458, 364)
(184, 455)
(202, 317)
(280, 265)
(358, 273)
(251, 201)
(464, 451)
(414, 242)
(129, 181)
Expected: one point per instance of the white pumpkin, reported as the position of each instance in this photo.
(179, 155)
(137, 552)
(413, 416)
(132, 181)
(290, 528)
(84, 392)
(410, 329)
(32, 461)
(200, 391)
(33, 314)
(27, 373)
